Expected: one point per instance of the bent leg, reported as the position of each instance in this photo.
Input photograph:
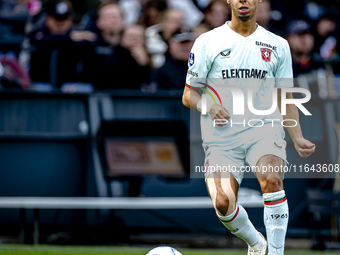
(276, 211)
(222, 189)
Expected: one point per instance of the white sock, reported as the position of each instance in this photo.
(239, 224)
(276, 220)
(259, 245)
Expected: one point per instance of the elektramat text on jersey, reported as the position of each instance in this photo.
(244, 73)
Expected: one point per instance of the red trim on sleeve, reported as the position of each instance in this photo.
(191, 87)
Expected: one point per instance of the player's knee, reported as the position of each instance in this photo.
(272, 184)
(224, 204)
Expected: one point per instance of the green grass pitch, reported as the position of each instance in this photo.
(6, 249)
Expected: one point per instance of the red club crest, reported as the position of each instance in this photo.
(266, 54)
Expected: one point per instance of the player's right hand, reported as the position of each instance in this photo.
(218, 112)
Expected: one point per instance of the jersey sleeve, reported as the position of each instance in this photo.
(198, 63)
(284, 70)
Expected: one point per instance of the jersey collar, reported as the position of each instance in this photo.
(241, 36)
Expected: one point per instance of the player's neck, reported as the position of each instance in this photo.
(244, 28)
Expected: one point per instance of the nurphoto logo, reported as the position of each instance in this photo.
(238, 101)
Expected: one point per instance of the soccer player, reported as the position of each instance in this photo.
(244, 53)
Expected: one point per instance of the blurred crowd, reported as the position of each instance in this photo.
(145, 44)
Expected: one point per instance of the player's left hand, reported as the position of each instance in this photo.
(304, 147)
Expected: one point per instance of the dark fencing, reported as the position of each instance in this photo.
(48, 148)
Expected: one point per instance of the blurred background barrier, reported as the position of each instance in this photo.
(247, 198)
(52, 146)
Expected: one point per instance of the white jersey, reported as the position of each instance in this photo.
(261, 61)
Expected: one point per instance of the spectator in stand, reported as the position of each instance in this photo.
(55, 46)
(172, 74)
(13, 17)
(147, 12)
(216, 13)
(264, 14)
(326, 41)
(200, 29)
(111, 66)
(153, 12)
(110, 23)
(134, 41)
(90, 18)
(311, 73)
(193, 16)
(158, 35)
(264, 18)
(301, 41)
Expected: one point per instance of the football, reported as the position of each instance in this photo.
(164, 250)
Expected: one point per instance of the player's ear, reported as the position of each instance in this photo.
(260, 1)
(228, 1)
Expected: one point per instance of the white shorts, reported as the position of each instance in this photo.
(243, 158)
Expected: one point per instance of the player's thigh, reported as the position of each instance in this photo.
(221, 183)
(223, 188)
(269, 157)
(271, 166)
(219, 160)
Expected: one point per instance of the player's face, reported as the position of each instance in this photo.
(244, 9)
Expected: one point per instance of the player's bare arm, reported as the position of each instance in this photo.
(191, 100)
(304, 147)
